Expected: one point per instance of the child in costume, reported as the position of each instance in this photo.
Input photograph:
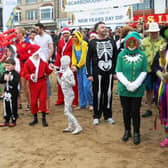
(160, 67)
(79, 53)
(11, 79)
(131, 71)
(36, 72)
(66, 82)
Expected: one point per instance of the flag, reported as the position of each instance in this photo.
(9, 10)
(11, 19)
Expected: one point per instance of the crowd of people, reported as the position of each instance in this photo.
(86, 62)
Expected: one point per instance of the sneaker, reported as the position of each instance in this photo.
(164, 143)
(148, 113)
(27, 107)
(77, 130)
(67, 129)
(110, 121)
(12, 124)
(4, 124)
(96, 121)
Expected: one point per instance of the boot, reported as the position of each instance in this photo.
(127, 135)
(137, 138)
(35, 120)
(44, 122)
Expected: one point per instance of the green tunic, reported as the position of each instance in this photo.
(131, 65)
(1, 73)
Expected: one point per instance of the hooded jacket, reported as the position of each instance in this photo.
(81, 46)
(132, 66)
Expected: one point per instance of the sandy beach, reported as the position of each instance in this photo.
(96, 147)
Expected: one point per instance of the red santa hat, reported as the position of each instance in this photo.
(93, 34)
(34, 49)
(65, 30)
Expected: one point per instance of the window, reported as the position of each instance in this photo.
(31, 14)
(18, 1)
(166, 3)
(46, 13)
(31, 1)
(17, 18)
(147, 4)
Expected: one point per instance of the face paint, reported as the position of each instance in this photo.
(132, 44)
(166, 33)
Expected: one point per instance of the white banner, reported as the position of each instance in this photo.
(80, 5)
(109, 16)
(8, 6)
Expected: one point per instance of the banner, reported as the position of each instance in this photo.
(109, 16)
(11, 19)
(81, 5)
(8, 13)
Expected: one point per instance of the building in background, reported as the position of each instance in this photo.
(151, 11)
(48, 12)
(51, 13)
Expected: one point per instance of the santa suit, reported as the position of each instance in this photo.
(65, 48)
(22, 53)
(38, 87)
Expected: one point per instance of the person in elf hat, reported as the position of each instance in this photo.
(36, 71)
(150, 46)
(65, 48)
(131, 71)
(160, 67)
(79, 52)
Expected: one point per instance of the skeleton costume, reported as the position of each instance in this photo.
(66, 82)
(131, 71)
(10, 97)
(100, 64)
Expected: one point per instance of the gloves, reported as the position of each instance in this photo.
(122, 79)
(131, 87)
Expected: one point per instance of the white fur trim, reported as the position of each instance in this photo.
(37, 52)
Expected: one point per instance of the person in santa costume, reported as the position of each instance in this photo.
(65, 48)
(36, 72)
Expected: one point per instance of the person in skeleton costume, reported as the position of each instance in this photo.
(100, 64)
(66, 82)
(79, 53)
(36, 71)
(160, 67)
(11, 80)
(131, 70)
